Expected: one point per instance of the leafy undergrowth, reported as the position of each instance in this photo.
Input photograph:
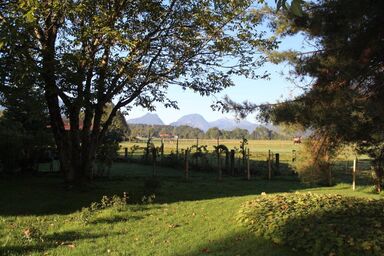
(320, 224)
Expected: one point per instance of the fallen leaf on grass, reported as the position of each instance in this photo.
(71, 246)
(27, 233)
(68, 244)
(205, 250)
(173, 225)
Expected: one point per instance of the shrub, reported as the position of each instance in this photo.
(316, 159)
(116, 202)
(106, 153)
(318, 224)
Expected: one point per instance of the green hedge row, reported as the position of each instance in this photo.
(318, 224)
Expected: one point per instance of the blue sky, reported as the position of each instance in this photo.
(256, 91)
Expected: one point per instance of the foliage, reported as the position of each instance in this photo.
(316, 159)
(116, 202)
(221, 148)
(106, 153)
(262, 132)
(22, 149)
(187, 132)
(85, 54)
(344, 99)
(119, 129)
(318, 224)
(213, 133)
(23, 124)
(243, 147)
(238, 133)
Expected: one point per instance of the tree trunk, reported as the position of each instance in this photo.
(76, 162)
(379, 177)
(76, 148)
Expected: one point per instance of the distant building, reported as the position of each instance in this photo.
(166, 136)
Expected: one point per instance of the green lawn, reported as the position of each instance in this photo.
(194, 217)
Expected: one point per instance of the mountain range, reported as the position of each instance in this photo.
(197, 121)
(151, 119)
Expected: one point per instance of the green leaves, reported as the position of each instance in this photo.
(29, 7)
(318, 224)
(295, 7)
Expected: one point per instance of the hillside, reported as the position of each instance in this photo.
(151, 119)
(229, 124)
(193, 120)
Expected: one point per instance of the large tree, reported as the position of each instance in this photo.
(344, 103)
(86, 54)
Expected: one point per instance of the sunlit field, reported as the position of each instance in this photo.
(258, 148)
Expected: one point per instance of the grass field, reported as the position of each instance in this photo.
(341, 168)
(256, 147)
(197, 217)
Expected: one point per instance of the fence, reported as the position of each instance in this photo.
(258, 160)
(204, 158)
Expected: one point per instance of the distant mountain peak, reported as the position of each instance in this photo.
(148, 118)
(193, 120)
(197, 121)
(230, 124)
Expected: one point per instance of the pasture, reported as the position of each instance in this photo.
(194, 217)
(258, 148)
(289, 154)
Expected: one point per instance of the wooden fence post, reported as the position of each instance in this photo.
(248, 167)
(239, 165)
(354, 173)
(186, 164)
(227, 162)
(232, 160)
(162, 149)
(154, 161)
(219, 164)
(177, 147)
(277, 162)
(269, 165)
(126, 152)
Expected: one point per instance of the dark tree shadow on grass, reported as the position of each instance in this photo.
(244, 244)
(47, 195)
(115, 219)
(46, 242)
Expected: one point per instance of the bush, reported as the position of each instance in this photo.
(318, 224)
(116, 202)
(316, 159)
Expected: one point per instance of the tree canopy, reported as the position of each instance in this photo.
(345, 101)
(86, 54)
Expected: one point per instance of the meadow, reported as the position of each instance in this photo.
(290, 155)
(258, 148)
(195, 217)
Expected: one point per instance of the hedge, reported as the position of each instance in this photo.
(318, 224)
